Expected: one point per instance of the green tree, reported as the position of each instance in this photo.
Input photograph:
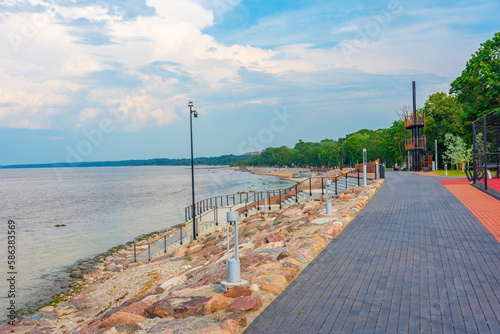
(457, 153)
(478, 88)
(392, 143)
(444, 114)
(353, 146)
(282, 155)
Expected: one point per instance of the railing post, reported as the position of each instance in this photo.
(296, 194)
(216, 216)
(269, 200)
(165, 244)
(498, 155)
(280, 198)
(310, 187)
(345, 181)
(335, 186)
(246, 206)
(322, 193)
(358, 177)
(135, 254)
(149, 252)
(474, 175)
(180, 229)
(485, 174)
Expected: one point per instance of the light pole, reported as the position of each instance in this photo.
(191, 114)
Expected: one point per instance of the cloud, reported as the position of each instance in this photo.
(80, 65)
(69, 65)
(33, 104)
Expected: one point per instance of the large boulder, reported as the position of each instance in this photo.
(271, 288)
(254, 260)
(177, 307)
(271, 238)
(173, 281)
(311, 206)
(137, 308)
(243, 304)
(231, 325)
(216, 303)
(64, 309)
(276, 279)
(121, 318)
(237, 291)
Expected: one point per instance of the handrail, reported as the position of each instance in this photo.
(243, 200)
(296, 188)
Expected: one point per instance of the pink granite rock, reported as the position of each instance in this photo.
(237, 291)
(254, 260)
(177, 307)
(231, 325)
(137, 308)
(243, 304)
(296, 242)
(276, 279)
(216, 303)
(271, 288)
(121, 318)
(311, 206)
(64, 309)
(27, 322)
(264, 227)
(274, 238)
(282, 256)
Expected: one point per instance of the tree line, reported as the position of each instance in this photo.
(449, 118)
(212, 161)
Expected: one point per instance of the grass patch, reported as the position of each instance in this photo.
(450, 173)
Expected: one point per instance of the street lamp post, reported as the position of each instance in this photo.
(191, 114)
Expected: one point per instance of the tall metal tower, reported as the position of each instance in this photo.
(416, 143)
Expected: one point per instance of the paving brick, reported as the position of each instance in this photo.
(415, 259)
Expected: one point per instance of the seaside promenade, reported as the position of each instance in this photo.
(414, 260)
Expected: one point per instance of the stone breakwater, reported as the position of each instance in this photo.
(180, 292)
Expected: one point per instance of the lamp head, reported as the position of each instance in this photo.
(190, 104)
(195, 114)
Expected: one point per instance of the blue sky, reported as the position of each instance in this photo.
(111, 80)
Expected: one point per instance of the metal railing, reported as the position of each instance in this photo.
(244, 202)
(412, 144)
(411, 121)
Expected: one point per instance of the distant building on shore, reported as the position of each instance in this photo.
(252, 153)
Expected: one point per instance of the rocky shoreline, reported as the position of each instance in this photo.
(180, 292)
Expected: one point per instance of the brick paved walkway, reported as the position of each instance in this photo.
(414, 260)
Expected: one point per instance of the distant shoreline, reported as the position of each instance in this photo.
(223, 160)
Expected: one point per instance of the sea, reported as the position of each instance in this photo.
(101, 207)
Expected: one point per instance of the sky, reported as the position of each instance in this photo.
(111, 80)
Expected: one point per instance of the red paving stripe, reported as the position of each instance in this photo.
(483, 206)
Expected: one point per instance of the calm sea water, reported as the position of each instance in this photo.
(101, 208)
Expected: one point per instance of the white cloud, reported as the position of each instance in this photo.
(33, 105)
(41, 77)
(348, 28)
(80, 65)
